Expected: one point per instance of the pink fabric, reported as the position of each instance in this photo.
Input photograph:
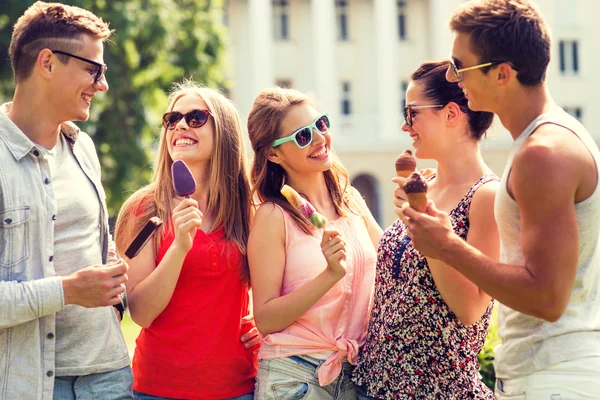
(338, 321)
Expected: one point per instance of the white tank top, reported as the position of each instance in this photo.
(531, 344)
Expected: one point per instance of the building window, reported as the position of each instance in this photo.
(403, 88)
(346, 101)
(281, 21)
(341, 7)
(401, 19)
(569, 56)
(284, 83)
(574, 111)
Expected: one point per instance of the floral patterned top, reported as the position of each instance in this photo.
(416, 347)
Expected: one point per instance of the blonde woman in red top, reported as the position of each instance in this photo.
(188, 289)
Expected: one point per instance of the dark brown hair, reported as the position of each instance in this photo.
(51, 26)
(432, 75)
(507, 30)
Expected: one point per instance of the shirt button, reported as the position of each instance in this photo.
(49, 374)
(47, 181)
(50, 335)
(36, 153)
(214, 263)
(51, 258)
(340, 330)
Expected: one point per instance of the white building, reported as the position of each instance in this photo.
(356, 56)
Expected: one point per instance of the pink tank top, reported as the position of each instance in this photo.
(337, 323)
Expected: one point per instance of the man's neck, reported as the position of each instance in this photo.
(32, 114)
(524, 105)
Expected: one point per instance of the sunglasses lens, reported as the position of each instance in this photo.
(304, 137)
(323, 124)
(171, 119)
(196, 118)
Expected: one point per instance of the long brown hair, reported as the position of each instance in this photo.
(229, 191)
(264, 123)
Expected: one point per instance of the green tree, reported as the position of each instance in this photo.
(156, 42)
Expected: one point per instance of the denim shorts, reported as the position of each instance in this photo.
(112, 385)
(144, 396)
(295, 378)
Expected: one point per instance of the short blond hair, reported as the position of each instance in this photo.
(50, 26)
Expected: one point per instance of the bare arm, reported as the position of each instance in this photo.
(150, 286)
(464, 298)
(266, 257)
(544, 182)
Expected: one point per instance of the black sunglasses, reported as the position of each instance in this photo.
(194, 118)
(100, 68)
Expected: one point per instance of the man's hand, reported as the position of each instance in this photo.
(430, 232)
(96, 285)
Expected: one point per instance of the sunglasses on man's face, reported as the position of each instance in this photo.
(304, 136)
(194, 119)
(99, 71)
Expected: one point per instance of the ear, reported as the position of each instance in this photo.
(44, 63)
(504, 73)
(452, 113)
(273, 156)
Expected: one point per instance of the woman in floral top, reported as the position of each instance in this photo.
(428, 322)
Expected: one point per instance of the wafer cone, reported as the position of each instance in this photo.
(417, 201)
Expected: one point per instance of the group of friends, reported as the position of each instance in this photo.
(239, 296)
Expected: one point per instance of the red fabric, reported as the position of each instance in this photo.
(193, 350)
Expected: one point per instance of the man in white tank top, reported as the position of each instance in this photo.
(547, 209)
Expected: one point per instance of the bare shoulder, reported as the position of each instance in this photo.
(482, 204)
(268, 220)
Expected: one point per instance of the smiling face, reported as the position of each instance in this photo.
(192, 145)
(314, 157)
(72, 87)
(476, 85)
(428, 124)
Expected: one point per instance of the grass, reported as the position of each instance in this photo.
(130, 331)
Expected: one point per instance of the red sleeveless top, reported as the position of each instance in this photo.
(193, 350)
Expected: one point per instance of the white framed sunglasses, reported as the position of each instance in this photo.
(304, 136)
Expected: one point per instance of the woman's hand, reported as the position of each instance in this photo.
(187, 219)
(334, 250)
(250, 338)
(399, 195)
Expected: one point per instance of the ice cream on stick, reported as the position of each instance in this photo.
(416, 192)
(300, 204)
(405, 164)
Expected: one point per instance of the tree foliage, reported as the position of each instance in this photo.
(156, 42)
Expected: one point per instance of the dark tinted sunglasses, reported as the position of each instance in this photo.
(194, 118)
(304, 136)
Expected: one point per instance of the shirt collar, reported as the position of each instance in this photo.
(19, 144)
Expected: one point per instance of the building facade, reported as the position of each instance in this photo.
(356, 57)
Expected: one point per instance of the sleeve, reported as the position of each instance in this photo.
(25, 301)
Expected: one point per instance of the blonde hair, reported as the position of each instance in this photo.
(264, 124)
(229, 191)
(51, 26)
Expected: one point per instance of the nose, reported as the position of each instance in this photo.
(182, 124)
(451, 76)
(405, 127)
(102, 84)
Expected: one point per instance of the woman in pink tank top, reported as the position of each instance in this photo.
(312, 287)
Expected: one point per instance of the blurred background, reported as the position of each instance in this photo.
(355, 56)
